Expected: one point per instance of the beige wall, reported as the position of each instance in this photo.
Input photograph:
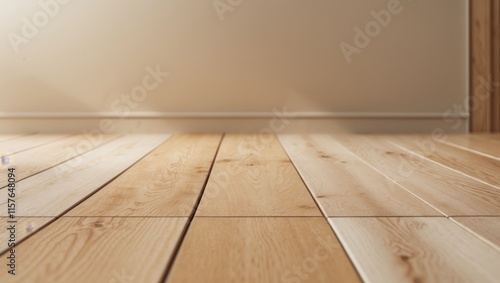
(253, 57)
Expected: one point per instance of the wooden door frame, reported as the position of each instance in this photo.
(484, 66)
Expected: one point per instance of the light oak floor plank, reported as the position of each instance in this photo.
(252, 176)
(35, 160)
(452, 193)
(55, 190)
(475, 144)
(251, 148)
(478, 166)
(166, 182)
(129, 229)
(9, 147)
(431, 249)
(24, 227)
(98, 250)
(345, 186)
(486, 228)
(261, 250)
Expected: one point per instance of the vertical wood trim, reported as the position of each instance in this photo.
(485, 66)
(496, 66)
(480, 48)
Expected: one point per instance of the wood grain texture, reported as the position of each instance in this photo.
(480, 65)
(261, 250)
(452, 193)
(40, 158)
(25, 226)
(98, 250)
(478, 166)
(9, 147)
(54, 191)
(475, 143)
(252, 176)
(251, 148)
(345, 186)
(413, 250)
(495, 65)
(486, 228)
(167, 182)
(485, 65)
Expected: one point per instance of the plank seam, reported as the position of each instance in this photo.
(190, 219)
(469, 149)
(45, 143)
(357, 265)
(55, 218)
(392, 180)
(441, 164)
(114, 178)
(320, 208)
(477, 235)
(16, 137)
(318, 205)
(18, 180)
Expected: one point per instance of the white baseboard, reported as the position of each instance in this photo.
(291, 122)
(229, 115)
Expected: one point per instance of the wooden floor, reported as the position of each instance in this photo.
(252, 208)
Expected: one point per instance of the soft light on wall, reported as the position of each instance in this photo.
(342, 58)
